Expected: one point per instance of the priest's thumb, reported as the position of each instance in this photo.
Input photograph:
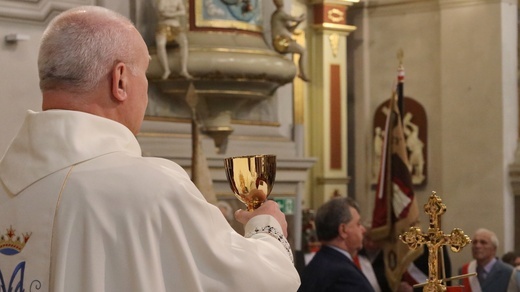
(242, 216)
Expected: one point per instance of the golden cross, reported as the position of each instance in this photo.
(434, 239)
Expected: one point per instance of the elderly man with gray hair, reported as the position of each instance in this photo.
(493, 275)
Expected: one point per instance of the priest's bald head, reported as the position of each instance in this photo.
(94, 60)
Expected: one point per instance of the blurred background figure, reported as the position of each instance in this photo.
(372, 264)
(512, 258)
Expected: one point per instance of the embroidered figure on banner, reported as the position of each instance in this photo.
(415, 132)
(415, 149)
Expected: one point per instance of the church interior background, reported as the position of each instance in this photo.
(461, 64)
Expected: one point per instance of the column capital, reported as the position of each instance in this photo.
(331, 15)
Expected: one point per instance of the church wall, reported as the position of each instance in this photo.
(468, 89)
(19, 89)
(478, 136)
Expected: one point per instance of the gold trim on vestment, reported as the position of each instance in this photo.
(54, 220)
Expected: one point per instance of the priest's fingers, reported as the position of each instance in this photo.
(267, 208)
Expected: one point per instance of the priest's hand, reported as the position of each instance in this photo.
(267, 208)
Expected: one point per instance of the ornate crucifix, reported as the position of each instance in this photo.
(434, 239)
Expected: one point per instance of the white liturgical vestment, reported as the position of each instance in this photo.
(81, 210)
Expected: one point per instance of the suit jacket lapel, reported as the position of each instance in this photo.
(342, 257)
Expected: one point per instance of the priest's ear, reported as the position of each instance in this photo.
(120, 81)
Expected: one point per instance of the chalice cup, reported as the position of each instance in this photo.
(251, 178)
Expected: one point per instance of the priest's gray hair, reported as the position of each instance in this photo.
(331, 215)
(80, 47)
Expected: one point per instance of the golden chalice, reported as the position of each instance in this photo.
(251, 178)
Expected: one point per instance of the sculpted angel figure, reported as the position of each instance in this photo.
(282, 30)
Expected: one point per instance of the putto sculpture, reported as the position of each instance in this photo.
(283, 26)
(170, 28)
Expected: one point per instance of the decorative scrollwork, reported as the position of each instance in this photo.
(458, 240)
(413, 238)
(435, 208)
(36, 284)
(336, 15)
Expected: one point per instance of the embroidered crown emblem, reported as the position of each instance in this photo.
(11, 244)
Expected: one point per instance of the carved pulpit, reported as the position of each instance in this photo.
(434, 239)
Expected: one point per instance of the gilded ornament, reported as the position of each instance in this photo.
(434, 239)
(336, 15)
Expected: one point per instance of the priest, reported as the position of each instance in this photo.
(80, 208)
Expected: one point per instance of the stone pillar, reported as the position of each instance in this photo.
(514, 168)
(327, 123)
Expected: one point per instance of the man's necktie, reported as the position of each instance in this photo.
(481, 274)
(356, 262)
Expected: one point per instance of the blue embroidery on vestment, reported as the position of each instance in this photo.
(18, 287)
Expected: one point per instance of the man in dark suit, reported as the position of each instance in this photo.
(339, 228)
